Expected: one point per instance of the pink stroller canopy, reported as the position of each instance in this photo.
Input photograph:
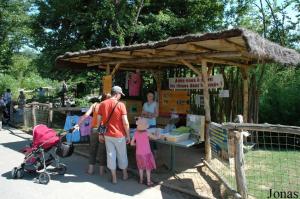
(42, 135)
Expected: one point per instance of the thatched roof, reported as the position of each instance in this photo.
(237, 47)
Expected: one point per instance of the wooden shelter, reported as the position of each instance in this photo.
(235, 47)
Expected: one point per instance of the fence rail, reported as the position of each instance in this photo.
(266, 160)
(32, 114)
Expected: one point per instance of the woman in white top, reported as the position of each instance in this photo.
(150, 110)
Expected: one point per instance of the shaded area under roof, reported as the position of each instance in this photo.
(236, 47)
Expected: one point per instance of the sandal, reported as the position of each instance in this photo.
(89, 173)
(150, 184)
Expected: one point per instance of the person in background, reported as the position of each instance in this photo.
(21, 99)
(2, 102)
(2, 109)
(7, 97)
(63, 91)
(150, 111)
(97, 149)
(41, 92)
(117, 134)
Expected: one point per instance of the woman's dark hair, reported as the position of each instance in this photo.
(100, 99)
(105, 96)
(94, 100)
(152, 92)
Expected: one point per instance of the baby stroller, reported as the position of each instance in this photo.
(45, 150)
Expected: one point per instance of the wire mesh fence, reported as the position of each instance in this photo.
(224, 168)
(271, 160)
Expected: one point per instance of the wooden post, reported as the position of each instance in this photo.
(157, 76)
(50, 117)
(107, 69)
(11, 112)
(245, 94)
(207, 110)
(25, 120)
(239, 165)
(34, 115)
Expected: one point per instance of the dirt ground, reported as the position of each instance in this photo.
(190, 177)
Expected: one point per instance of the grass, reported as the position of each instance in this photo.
(277, 170)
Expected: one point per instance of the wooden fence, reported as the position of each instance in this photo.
(265, 158)
(32, 114)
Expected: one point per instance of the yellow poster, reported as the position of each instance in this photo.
(174, 101)
(107, 83)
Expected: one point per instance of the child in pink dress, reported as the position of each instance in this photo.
(144, 156)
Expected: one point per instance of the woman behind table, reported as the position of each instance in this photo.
(150, 111)
(96, 148)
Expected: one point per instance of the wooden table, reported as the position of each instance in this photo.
(184, 144)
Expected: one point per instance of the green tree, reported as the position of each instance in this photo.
(14, 29)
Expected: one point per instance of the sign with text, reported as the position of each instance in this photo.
(224, 93)
(220, 143)
(173, 101)
(188, 83)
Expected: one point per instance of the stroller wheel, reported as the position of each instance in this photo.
(44, 178)
(20, 173)
(62, 169)
(14, 172)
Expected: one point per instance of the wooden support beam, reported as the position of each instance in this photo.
(193, 46)
(107, 69)
(114, 55)
(133, 68)
(190, 66)
(115, 69)
(207, 55)
(238, 46)
(245, 93)
(222, 61)
(207, 110)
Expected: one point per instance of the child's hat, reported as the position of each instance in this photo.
(142, 123)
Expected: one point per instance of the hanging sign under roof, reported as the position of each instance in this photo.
(188, 83)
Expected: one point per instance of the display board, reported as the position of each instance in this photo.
(197, 123)
(174, 101)
(220, 143)
(134, 109)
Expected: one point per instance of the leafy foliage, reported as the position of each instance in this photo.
(54, 27)
(14, 29)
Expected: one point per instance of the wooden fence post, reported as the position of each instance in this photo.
(34, 115)
(11, 112)
(50, 117)
(207, 110)
(239, 165)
